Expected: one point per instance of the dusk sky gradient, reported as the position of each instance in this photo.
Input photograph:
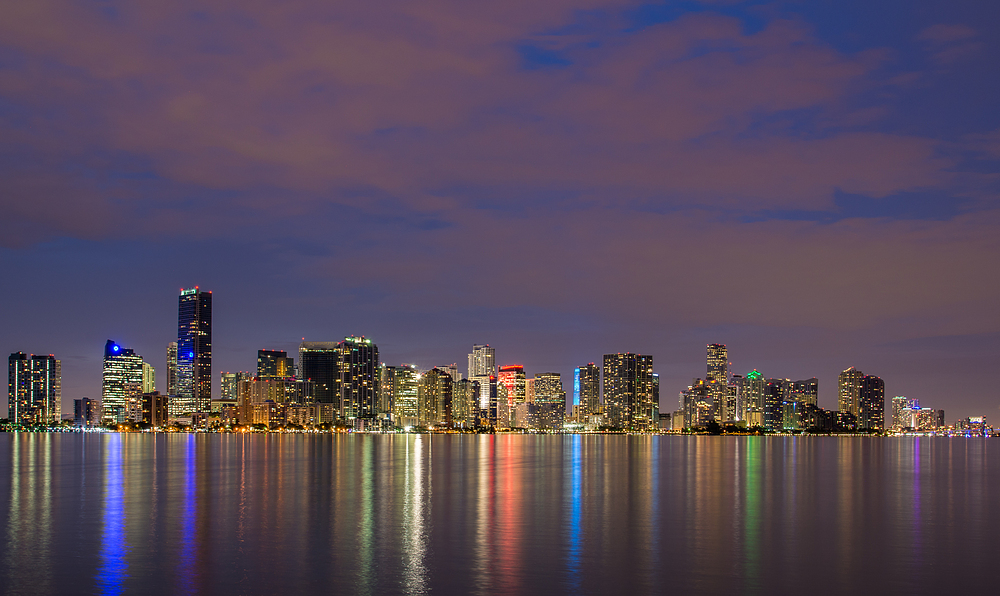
(814, 184)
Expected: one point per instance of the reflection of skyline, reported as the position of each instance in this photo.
(490, 514)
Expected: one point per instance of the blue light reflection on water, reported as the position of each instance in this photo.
(575, 506)
(113, 570)
(189, 512)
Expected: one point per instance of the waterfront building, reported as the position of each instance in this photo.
(34, 389)
(483, 369)
(871, 403)
(736, 407)
(550, 401)
(482, 361)
(357, 379)
(717, 378)
(86, 412)
(121, 389)
(229, 383)
(434, 399)
(775, 395)
(400, 384)
(155, 409)
(465, 403)
(274, 364)
(319, 362)
(697, 406)
(194, 352)
(148, 378)
(806, 391)
(452, 370)
(514, 382)
(754, 389)
(586, 392)
(628, 391)
(848, 391)
(172, 368)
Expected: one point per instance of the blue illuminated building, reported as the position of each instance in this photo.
(194, 352)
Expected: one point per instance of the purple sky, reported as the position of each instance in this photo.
(814, 184)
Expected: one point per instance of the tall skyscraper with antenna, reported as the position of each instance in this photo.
(194, 352)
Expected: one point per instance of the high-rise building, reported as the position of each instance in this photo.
(121, 390)
(148, 378)
(549, 400)
(482, 361)
(172, 368)
(483, 368)
(628, 391)
(586, 392)
(194, 352)
(319, 362)
(399, 392)
(513, 379)
(229, 384)
(754, 389)
(357, 378)
(86, 412)
(434, 398)
(452, 370)
(717, 380)
(274, 364)
(871, 403)
(805, 391)
(775, 394)
(465, 403)
(848, 391)
(736, 405)
(34, 389)
(154, 409)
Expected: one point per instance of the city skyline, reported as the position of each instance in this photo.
(811, 184)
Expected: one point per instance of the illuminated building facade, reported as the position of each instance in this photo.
(148, 378)
(155, 409)
(775, 394)
(121, 390)
(274, 364)
(34, 389)
(465, 403)
(357, 378)
(513, 386)
(550, 401)
(86, 412)
(848, 391)
(172, 368)
(483, 368)
(628, 391)
(319, 362)
(194, 352)
(871, 403)
(434, 399)
(399, 387)
(587, 392)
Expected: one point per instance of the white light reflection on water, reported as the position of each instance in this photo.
(414, 512)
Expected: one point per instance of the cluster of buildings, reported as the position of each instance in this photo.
(344, 384)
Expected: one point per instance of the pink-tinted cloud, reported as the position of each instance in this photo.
(410, 97)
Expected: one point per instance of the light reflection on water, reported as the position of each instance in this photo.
(424, 514)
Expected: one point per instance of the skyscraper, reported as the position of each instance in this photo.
(148, 378)
(717, 380)
(434, 398)
(628, 391)
(357, 378)
(401, 382)
(482, 368)
(194, 352)
(550, 400)
(515, 384)
(754, 389)
(274, 364)
(319, 363)
(871, 403)
(172, 368)
(34, 389)
(122, 383)
(587, 387)
(848, 391)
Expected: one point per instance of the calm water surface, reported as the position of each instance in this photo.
(229, 514)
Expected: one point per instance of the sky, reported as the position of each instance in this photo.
(814, 184)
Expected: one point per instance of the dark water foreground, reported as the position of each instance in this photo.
(221, 514)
